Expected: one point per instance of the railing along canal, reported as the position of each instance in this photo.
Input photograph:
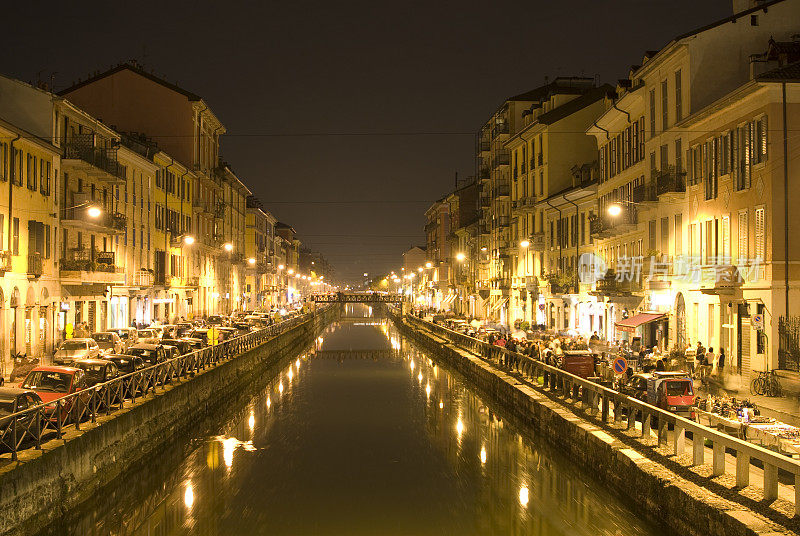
(30, 427)
(605, 404)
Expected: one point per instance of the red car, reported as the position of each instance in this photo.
(55, 382)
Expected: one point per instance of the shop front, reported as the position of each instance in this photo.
(646, 329)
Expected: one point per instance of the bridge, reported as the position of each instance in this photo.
(357, 298)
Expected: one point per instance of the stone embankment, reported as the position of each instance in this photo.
(658, 484)
(44, 484)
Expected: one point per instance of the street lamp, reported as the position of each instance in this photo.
(428, 265)
(460, 257)
(188, 240)
(615, 210)
(251, 261)
(524, 243)
(281, 267)
(228, 247)
(94, 212)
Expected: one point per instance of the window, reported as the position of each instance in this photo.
(635, 143)
(678, 234)
(652, 113)
(3, 161)
(760, 140)
(664, 157)
(651, 234)
(724, 154)
(641, 138)
(678, 156)
(742, 252)
(664, 106)
(678, 100)
(15, 237)
(665, 236)
(759, 234)
(726, 238)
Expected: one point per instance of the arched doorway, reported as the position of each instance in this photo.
(680, 322)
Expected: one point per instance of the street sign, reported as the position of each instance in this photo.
(213, 336)
(757, 321)
(620, 365)
(541, 307)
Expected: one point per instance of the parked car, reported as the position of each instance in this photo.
(182, 329)
(170, 351)
(13, 400)
(194, 344)
(97, 370)
(109, 342)
(158, 330)
(671, 391)
(200, 334)
(636, 387)
(73, 349)
(51, 383)
(148, 336)
(128, 336)
(215, 320)
(169, 331)
(151, 354)
(229, 333)
(22, 366)
(183, 346)
(127, 364)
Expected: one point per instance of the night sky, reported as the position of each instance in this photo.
(348, 119)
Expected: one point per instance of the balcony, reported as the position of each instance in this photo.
(670, 181)
(501, 158)
(537, 243)
(200, 206)
(485, 202)
(643, 194)
(613, 286)
(502, 221)
(82, 266)
(35, 265)
(193, 281)
(500, 130)
(108, 223)
(81, 153)
(502, 189)
(606, 226)
(484, 146)
(483, 174)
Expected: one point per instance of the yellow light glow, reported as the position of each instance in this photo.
(460, 426)
(419, 377)
(228, 247)
(428, 265)
(523, 496)
(94, 212)
(228, 446)
(524, 243)
(251, 260)
(411, 364)
(251, 421)
(280, 387)
(188, 240)
(290, 271)
(428, 390)
(419, 269)
(483, 455)
(290, 375)
(188, 496)
(614, 210)
(460, 257)
(441, 404)
(281, 267)
(269, 402)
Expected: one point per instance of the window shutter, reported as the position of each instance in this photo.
(742, 237)
(759, 238)
(763, 138)
(726, 238)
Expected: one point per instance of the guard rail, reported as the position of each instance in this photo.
(30, 427)
(605, 403)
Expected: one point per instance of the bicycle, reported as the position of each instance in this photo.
(766, 383)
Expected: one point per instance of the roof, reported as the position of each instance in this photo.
(787, 73)
(91, 361)
(133, 67)
(732, 18)
(633, 322)
(561, 84)
(574, 105)
(55, 368)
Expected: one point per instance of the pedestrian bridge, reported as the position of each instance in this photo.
(357, 298)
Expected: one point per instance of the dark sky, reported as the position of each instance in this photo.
(421, 74)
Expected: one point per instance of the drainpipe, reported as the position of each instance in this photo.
(614, 105)
(577, 241)
(785, 200)
(604, 130)
(11, 177)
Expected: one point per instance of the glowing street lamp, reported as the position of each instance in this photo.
(524, 243)
(188, 240)
(614, 210)
(419, 269)
(228, 247)
(94, 212)
(251, 261)
(460, 257)
(428, 265)
(281, 267)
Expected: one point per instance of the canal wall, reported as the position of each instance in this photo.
(650, 486)
(43, 485)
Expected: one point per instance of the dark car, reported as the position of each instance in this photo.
(194, 344)
(151, 354)
(215, 320)
(13, 400)
(229, 333)
(201, 334)
(171, 351)
(97, 370)
(182, 329)
(126, 364)
(183, 346)
(636, 387)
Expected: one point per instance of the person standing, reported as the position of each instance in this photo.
(721, 363)
(709, 361)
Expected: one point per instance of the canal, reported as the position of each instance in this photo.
(361, 433)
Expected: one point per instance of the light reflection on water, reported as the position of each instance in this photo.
(345, 441)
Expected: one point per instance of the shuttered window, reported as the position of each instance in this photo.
(742, 251)
(726, 237)
(759, 233)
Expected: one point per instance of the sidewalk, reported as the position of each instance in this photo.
(785, 408)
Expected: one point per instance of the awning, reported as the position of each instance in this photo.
(499, 304)
(630, 324)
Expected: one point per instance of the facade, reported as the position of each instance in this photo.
(435, 277)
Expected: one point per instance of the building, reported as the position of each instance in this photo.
(436, 274)
(463, 210)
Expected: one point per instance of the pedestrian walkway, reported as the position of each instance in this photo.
(785, 408)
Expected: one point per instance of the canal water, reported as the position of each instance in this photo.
(362, 433)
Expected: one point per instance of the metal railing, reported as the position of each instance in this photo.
(606, 404)
(33, 426)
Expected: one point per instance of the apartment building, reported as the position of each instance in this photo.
(29, 288)
(435, 276)
(184, 127)
(549, 154)
(461, 296)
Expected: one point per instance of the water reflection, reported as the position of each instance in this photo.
(348, 439)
